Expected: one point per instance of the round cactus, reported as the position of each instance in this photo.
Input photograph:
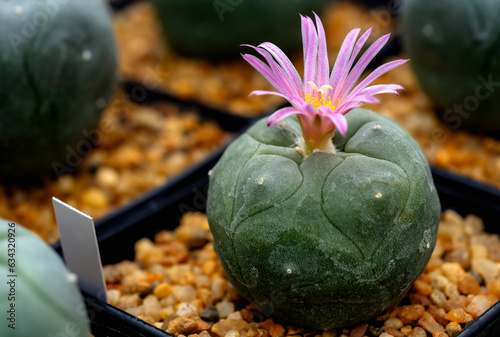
(329, 240)
(57, 74)
(217, 28)
(455, 51)
(326, 215)
(39, 295)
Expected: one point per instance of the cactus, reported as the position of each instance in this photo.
(216, 28)
(328, 216)
(57, 74)
(39, 295)
(455, 47)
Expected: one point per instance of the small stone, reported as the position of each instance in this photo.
(453, 329)
(429, 323)
(184, 293)
(438, 314)
(468, 284)
(406, 330)
(478, 250)
(181, 325)
(385, 334)
(267, 324)
(359, 330)
(257, 333)
(411, 313)
(163, 290)
(235, 315)
(494, 288)
(394, 322)
(221, 328)
(94, 197)
(218, 288)
(394, 332)
(276, 330)
(107, 177)
(224, 308)
(113, 296)
(418, 332)
(202, 325)
(439, 334)
(478, 306)
(210, 314)
(458, 315)
(326, 333)
(438, 298)
(232, 333)
(152, 307)
(488, 269)
(186, 308)
(452, 271)
(451, 291)
(423, 288)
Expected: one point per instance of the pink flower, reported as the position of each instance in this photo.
(321, 99)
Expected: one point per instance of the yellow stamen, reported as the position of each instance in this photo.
(320, 99)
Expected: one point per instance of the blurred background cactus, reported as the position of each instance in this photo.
(42, 297)
(57, 73)
(454, 47)
(216, 29)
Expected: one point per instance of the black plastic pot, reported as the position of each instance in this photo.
(116, 243)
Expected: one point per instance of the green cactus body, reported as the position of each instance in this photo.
(57, 74)
(42, 298)
(454, 47)
(331, 239)
(217, 28)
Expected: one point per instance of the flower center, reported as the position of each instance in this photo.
(319, 99)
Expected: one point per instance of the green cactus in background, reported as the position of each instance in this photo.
(322, 219)
(38, 294)
(215, 28)
(57, 73)
(454, 47)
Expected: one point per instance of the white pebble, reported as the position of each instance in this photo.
(184, 293)
(235, 315)
(225, 308)
(378, 195)
(185, 308)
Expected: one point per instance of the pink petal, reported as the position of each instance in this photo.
(339, 121)
(281, 114)
(265, 71)
(339, 86)
(307, 109)
(343, 57)
(278, 72)
(310, 42)
(323, 67)
(286, 65)
(362, 64)
(373, 75)
(381, 89)
(347, 106)
(296, 101)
